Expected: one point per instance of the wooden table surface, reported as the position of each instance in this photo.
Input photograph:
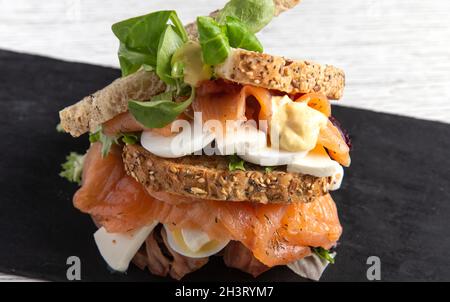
(396, 54)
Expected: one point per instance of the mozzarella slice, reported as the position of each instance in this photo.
(193, 244)
(191, 139)
(241, 140)
(118, 249)
(318, 163)
(271, 157)
(336, 179)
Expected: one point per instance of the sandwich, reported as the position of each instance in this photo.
(209, 147)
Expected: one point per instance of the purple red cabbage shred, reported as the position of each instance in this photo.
(343, 132)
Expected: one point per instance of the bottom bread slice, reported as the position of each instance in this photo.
(208, 177)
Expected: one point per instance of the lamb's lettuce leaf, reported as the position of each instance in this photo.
(159, 112)
(170, 41)
(239, 35)
(216, 39)
(213, 40)
(140, 38)
(254, 14)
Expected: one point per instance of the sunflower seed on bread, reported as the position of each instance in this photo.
(208, 177)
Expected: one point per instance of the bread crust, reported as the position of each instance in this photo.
(208, 177)
(278, 73)
(284, 5)
(280, 6)
(103, 105)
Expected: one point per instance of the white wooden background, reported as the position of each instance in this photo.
(396, 53)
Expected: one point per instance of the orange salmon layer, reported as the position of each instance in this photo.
(276, 234)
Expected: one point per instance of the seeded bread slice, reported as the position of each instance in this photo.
(208, 177)
(278, 73)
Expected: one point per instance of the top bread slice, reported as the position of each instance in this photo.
(277, 73)
(242, 66)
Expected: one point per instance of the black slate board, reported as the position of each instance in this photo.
(394, 204)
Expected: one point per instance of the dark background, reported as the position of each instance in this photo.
(394, 202)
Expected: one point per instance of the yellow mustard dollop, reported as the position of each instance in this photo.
(295, 124)
(195, 70)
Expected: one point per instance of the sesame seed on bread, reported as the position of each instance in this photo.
(208, 177)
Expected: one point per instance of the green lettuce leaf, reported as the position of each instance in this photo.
(73, 167)
(108, 141)
(323, 253)
(213, 40)
(105, 140)
(129, 138)
(159, 112)
(140, 38)
(170, 41)
(130, 60)
(254, 14)
(240, 36)
(217, 39)
(268, 169)
(236, 163)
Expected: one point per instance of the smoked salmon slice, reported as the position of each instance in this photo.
(275, 233)
(122, 123)
(125, 122)
(222, 101)
(317, 101)
(218, 100)
(331, 138)
(113, 198)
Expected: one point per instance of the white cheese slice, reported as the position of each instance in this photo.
(118, 249)
(336, 179)
(271, 157)
(318, 163)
